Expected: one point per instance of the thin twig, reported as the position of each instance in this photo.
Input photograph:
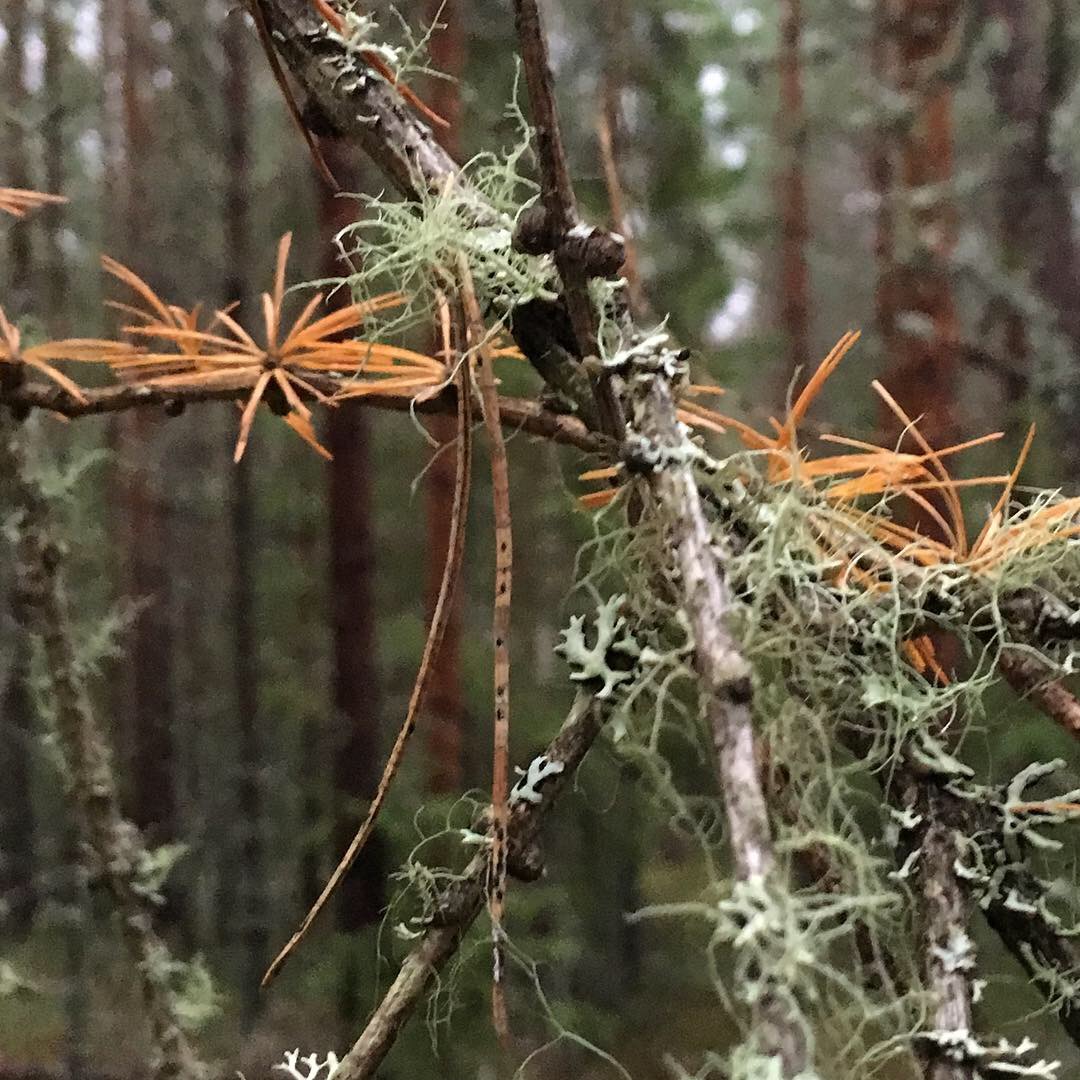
(516, 413)
(500, 632)
(442, 938)
(560, 205)
(606, 131)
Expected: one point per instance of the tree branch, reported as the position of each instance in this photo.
(946, 951)
(726, 687)
(516, 413)
(1032, 679)
(462, 904)
(560, 206)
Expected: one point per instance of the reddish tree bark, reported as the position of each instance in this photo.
(143, 509)
(794, 274)
(251, 918)
(357, 698)
(923, 364)
(444, 706)
(882, 178)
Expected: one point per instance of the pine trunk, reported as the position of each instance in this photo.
(922, 372)
(16, 156)
(18, 864)
(794, 274)
(143, 508)
(445, 708)
(53, 130)
(882, 177)
(250, 919)
(357, 697)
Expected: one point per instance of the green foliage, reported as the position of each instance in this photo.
(415, 247)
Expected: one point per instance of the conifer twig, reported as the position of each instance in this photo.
(516, 413)
(445, 931)
(606, 132)
(118, 849)
(560, 205)
(1031, 679)
(504, 564)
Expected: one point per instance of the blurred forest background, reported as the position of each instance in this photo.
(789, 169)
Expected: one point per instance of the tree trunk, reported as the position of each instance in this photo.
(18, 861)
(357, 699)
(923, 367)
(150, 710)
(18, 865)
(794, 275)
(445, 707)
(251, 916)
(882, 178)
(53, 130)
(1028, 80)
(16, 157)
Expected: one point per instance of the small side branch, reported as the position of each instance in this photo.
(948, 954)
(117, 846)
(560, 205)
(1032, 679)
(461, 906)
(516, 413)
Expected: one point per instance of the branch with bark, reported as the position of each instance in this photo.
(461, 904)
(516, 413)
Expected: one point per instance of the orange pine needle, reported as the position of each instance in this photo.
(595, 499)
(18, 202)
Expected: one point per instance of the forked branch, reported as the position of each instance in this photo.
(444, 932)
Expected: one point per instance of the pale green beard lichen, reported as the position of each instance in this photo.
(830, 678)
(822, 611)
(413, 247)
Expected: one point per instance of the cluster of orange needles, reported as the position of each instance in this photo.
(19, 202)
(287, 365)
(880, 473)
(281, 365)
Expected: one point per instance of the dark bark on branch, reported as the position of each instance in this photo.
(462, 904)
(517, 413)
(357, 103)
(1031, 678)
(563, 225)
